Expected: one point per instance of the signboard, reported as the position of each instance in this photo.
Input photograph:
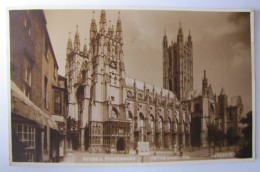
(143, 148)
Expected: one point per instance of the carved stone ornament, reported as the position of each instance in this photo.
(140, 96)
(113, 64)
(130, 94)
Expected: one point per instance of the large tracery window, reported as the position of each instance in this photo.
(160, 126)
(141, 126)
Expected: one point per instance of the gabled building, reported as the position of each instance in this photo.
(38, 93)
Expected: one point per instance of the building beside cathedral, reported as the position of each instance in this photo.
(38, 93)
(118, 113)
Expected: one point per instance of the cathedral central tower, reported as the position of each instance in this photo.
(178, 65)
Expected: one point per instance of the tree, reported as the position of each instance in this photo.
(73, 132)
(246, 150)
(218, 139)
(210, 134)
(231, 137)
(214, 135)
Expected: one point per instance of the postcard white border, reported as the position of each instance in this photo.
(119, 164)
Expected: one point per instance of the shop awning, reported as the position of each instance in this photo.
(23, 106)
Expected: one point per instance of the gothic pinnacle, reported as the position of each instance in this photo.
(205, 74)
(118, 15)
(76, 40)
(85, 51)
(93, 15)
(69, 45)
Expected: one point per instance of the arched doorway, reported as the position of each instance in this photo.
(120, 144)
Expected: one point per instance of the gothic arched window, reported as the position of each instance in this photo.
(212, 108)
(141, 120)
(151, 121)
(169, 123)
(160, 123)
(197, 107)
(170, 85)
(114, 113)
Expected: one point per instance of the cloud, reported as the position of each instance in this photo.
(240, 56)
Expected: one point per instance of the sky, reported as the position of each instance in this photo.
(221, 44)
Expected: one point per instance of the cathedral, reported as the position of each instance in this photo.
(118, 113)
(204, 106)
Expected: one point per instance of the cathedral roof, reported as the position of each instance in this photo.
(140, 85)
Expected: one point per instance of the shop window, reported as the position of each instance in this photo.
(26, 135)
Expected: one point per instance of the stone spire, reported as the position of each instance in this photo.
(85, 51)
(69, 45)
(165, 40)
(76, 40)
(110, 29)
(204, 84)
(180, 35)
(189, 39)
(102, 22)
(93, 27)
(119, 35)
(210, 92)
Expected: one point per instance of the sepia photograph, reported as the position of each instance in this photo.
(130, 86)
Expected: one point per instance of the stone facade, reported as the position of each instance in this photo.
(206, 107)
(116, 112)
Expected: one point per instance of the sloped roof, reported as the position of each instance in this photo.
(157, 90)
